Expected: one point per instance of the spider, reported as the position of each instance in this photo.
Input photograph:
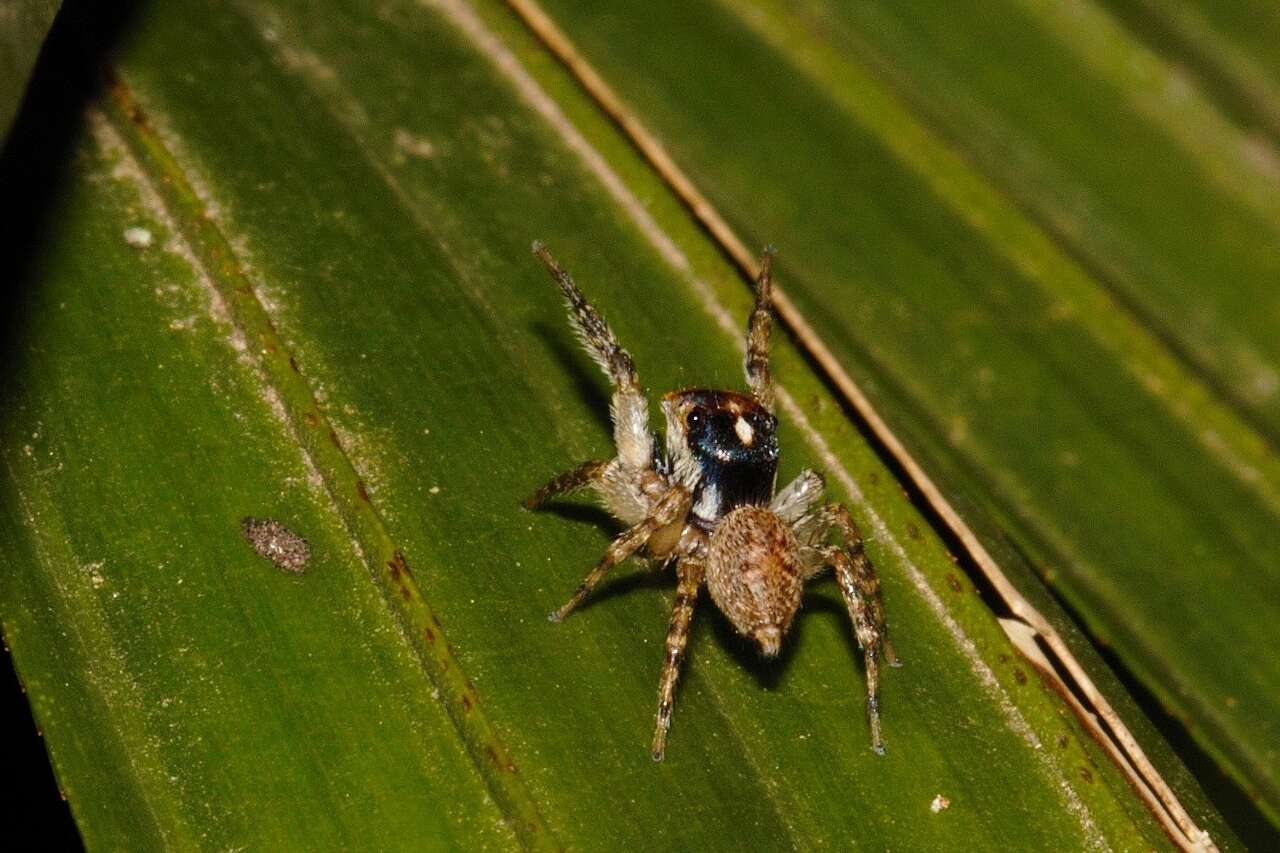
(706, 501)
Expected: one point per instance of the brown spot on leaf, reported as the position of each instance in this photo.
(913, 531)
(312, 419)
(492, 754)
(271, 539)
(293, 363)
(1086, 775)
(467, 705)
(1063, 742)
(362, 491)
(430, 636)
(954, 582)
(398, 566)
(1019, 676)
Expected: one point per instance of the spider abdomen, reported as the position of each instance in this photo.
(754, 574)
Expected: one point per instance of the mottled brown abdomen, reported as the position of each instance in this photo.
(754, 574)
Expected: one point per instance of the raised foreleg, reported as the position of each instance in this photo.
(758, 332)
(629, 408)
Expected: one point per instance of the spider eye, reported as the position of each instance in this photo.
(696, 417)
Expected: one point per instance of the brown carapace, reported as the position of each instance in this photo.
(705, 501)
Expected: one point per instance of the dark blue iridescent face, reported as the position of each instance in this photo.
(735, 443)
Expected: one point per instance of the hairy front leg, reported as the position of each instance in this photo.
(672, 506)
(629, 408)
(586, 474)
(758, 331)
(691, 574)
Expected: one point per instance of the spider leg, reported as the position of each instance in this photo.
(870, 636)
(629, 408)
(797, 498)
(671, 507)
(758, 330)
(860, 587)
(837, 516)
(690, 579)
(813, 528)
(570, 481)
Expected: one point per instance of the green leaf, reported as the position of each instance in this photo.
(285, 276)
(1227, 46)
(23, 26)
(1050, 260)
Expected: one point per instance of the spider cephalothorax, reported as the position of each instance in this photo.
(733, 439)
(706, 501)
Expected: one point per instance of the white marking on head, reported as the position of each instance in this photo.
(745, 433)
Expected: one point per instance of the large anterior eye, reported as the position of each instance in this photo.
(696, 417)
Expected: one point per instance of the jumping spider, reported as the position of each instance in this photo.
(707, 502)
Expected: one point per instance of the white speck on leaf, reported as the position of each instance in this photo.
(413, 146)
(138, 238)
(94, 571)
(939, 804)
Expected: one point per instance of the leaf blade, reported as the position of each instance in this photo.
(22, 31)
(976, 366)
(386, 369)
(180, 667)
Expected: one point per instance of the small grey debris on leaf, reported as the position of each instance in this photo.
(271, 539)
